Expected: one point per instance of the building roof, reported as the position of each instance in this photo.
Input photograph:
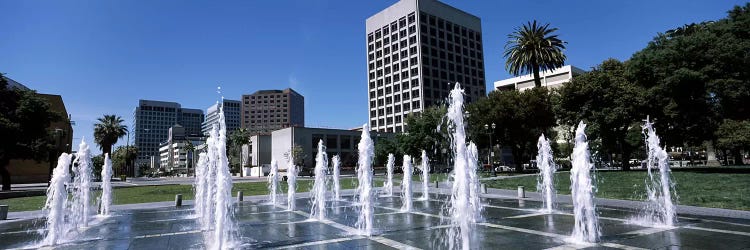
(274, 91)
(13, 84)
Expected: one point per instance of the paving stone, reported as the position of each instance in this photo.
(518, 224)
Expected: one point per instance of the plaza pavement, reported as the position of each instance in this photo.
(509, 223)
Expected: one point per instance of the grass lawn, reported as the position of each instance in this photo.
(718, 190)
(130, 195)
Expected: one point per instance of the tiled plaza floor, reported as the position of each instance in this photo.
(508, 224)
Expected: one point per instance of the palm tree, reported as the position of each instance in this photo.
(109, 129)
(190, 148)
(236, 140)
(532, 48)
(239, 137)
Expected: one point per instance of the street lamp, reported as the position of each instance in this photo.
(127, 150)
(492, 153)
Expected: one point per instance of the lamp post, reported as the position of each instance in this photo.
(127, 151)
(492, 153)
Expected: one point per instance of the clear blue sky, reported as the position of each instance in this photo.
(102, 56)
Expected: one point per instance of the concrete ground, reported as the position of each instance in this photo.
(509, 223)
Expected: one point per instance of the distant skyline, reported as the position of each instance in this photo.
(103, 56)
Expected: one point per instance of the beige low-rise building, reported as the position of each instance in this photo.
(550, 79)
(32, 171)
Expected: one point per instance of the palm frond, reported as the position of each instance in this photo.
(533, 47)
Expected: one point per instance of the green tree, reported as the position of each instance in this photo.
(609, 103)
(383, 147)
(190, 148)
(533, 48)
(234, 147)
(734, 136)
(98, 163)
(108, 130)
(425, 131)
(298, 153)
(696, 76)
(124, 155)
(520, 118)
(24, 121)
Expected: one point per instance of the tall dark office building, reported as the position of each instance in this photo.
(152, 122)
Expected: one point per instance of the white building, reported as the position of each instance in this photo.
(550, 79)
(341, 142)
(416, 51)
(173, 157)
(260, 150)
(231, 116)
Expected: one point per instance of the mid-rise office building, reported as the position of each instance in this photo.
(416, 51)
(268, 110)
(550, 79)
(153, 119)
(231, 116)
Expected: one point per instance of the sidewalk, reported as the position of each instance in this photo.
(26, 215)
(500, 177)
(444, 188)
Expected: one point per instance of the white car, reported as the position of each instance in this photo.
(503, 169)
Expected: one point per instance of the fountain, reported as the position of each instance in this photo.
(106, 196)
(586, 227)
(201, 187)
(388, 184)
(425, 168)
(474, 199)
(318, 192)
(460, 208)
(545, 183)
(57, 203)
(406, 201)
(205, 173)
(660, 210)
(215, 187)
(81, 186)
(364, 175)
(291, 180)
(66, 215)
(273, 181)
(336, 175)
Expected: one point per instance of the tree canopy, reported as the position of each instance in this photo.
(695, 76)
(609, 103)
(520, 118)
(235, 141)
(24, 121)
(123, 155)
(734, 136)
